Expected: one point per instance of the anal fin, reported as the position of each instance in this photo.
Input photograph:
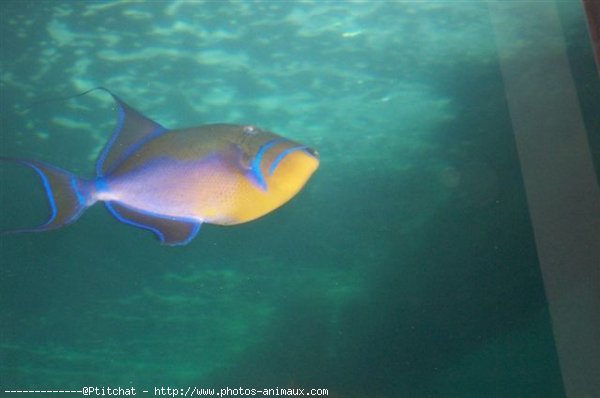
(170, 231)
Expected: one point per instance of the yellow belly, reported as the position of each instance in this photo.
(250, 202)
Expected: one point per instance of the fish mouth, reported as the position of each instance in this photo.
(312, 152)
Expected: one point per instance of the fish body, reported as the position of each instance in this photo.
(172, 181)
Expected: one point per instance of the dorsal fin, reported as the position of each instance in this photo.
(132, 131)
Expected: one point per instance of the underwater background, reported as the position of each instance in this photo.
(405, 268)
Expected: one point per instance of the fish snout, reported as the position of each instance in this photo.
(312, 151)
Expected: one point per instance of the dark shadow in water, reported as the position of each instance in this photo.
(461, 292)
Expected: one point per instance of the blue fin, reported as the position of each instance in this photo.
(132, 131)
(170, 231)
(68, 196)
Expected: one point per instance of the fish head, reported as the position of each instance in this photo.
(276, 169)
(274, 160)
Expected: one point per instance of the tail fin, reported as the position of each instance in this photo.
(68, 196)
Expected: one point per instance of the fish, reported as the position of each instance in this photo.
(171, 182)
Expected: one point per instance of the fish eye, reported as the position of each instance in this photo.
(250, 130)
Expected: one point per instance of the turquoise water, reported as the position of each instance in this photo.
(405, 268)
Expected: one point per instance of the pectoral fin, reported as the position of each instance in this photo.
(170, 231)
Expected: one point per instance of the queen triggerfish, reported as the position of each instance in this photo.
(172, 181)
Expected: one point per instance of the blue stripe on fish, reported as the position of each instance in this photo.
(282, 155)
(113, 138)
(256, 172)
(49, 194)
(170, 231)
(75, 186)
(101, 185)
(118, 216)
